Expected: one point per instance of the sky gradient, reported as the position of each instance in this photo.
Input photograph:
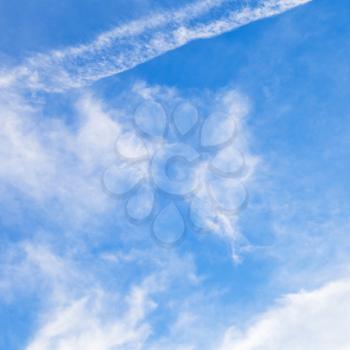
(174, 176)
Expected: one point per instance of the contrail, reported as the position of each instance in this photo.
(136, 42)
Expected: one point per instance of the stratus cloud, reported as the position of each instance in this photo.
(127, 46)
(307, 320)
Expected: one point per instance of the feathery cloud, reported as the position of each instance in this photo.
(131, 44)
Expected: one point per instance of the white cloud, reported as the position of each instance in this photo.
(232, 193)
(127, 46)
(82, 310)
(88, 316)
(54, 162)
(49, 161)
(307, 320)
(94, 322)
(77, 310)
(59, 165)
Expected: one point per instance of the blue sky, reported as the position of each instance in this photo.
(253, 252)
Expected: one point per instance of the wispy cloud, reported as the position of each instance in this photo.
(82, 308)
(78, 311)
(131, 44)
(47, 161)
(57, 163)
(85, 324)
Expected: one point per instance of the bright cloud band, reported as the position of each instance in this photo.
(127, 46)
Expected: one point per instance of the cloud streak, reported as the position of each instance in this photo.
(133, 43)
